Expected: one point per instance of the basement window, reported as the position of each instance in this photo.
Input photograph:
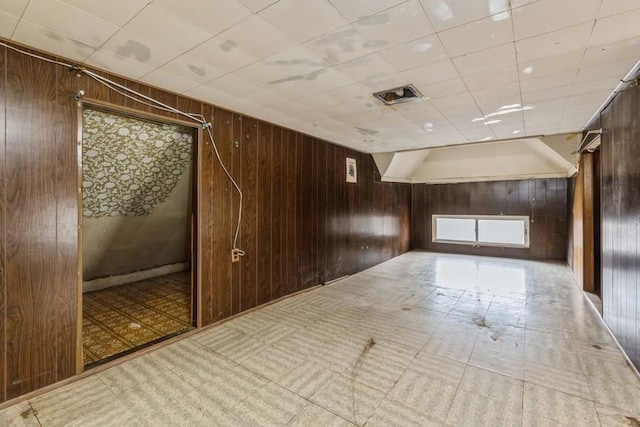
(485, 230)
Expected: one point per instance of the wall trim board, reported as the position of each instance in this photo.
(108, 282)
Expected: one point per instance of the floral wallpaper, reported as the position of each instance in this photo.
(130, 165)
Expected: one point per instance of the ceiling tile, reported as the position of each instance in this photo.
(431, 73)
(550, 65)
(550, 15)
(233, 85)
(50, 41)
(613, 7)
(475, 36)
(488, 59)
(303, 21)
(615, 28)
(204, 14)
(397, 25)
(350, 93)
(264, 98)
(117, 12)
(14, 7)
(546, 94)
(293, 64)
(160, 27)
(169, 81)
(446, 14)
(547, 82)
(8, 23)
(496, 77)
(425, 50)
(60, 18)
(320, 81)
(611, 70)
(342, 45)
(257, 5)
(118, 64)
(192, 69)
(219, 54)
(608, 84)
(554, 43)
(458, 99)
(256, 37)
(365, 69)
(494, 98)
(443, 88)
(209, 94)
(139, 49)
(357, 9)
(612, 52)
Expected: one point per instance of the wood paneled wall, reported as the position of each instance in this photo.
(543, 200)
(302, 224)
(620, 217)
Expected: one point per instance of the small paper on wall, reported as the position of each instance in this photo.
(352, 171)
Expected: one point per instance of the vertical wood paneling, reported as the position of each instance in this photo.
(302, 223)
(66, 223)
(236, 172)
(209, 242)
(548, 226)
(31, 241)
(248, 291)
(278, 214)
(619, 196)
(3, 288)
(264, 220)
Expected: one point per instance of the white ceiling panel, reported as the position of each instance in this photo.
(14, 7)
(554, 43)
(117, 12)
(422, 51)
(397, 25)
(212, 17)
(496, 77)
(342, 45)
(303, 21)
(8, 24)
(617, 27)
(354, 10)
(549, 15)
(45, 39)
(477, 35)
(257, 5)
(445, 14)
(612, 52)
(242, 36)
(312, 65)
(614, 7)
(488, 59)
(550, 65)
(431, 73)
(61, 18)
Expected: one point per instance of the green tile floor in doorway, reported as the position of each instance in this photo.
(124, 318)
(421, 340)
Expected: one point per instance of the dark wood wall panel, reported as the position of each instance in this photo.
(543, 200)
(302, 223)
(619, 215)
(3, 288)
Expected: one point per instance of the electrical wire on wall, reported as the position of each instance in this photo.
(153, 103)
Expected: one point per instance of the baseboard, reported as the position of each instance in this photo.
(107, 282)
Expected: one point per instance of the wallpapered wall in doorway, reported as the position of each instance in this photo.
(130, 165)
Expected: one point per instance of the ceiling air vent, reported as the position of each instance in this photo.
(398, 95)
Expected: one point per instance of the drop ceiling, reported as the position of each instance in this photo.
(488, 69)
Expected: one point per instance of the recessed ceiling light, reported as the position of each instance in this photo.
(398, 94)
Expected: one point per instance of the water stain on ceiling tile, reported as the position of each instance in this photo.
(135, 50)
(228, 45)
(200, 71)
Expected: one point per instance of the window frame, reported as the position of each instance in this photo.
(476, 218)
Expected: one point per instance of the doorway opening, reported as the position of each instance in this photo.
(137, 221)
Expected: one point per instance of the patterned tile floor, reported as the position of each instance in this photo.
(120, 319)
(421, 340)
